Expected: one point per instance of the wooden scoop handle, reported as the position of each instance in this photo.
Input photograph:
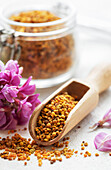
(100, 77)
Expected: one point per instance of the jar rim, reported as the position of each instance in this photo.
(69, 18)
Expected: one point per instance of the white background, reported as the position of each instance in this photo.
(93, 49)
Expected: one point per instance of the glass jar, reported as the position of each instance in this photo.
(47, 51)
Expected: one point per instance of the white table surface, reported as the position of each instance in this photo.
(92, 51)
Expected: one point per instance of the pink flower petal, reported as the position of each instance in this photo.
(12, 65)
(102, 142)
(2, 118)
(24, 112)
(11, 124)
(107, 117)
(9, 92)
(26, 88)
(33, 99)
(16, 80)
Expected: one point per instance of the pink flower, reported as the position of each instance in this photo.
(26, 107)
(4, 77)
(26, 88)
(10, 123)
(7, 121)
(24, 112)
(10, 73)
(14, 79)
(16, 102)
(105, 120)
(33, 99)
(102, 142)
(12, 66)
(7, 77)
(9, 92)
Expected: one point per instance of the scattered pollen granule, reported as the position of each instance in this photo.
(76, 152)
(82, 144)
(82, 148)
(96, 154)
(20, 148)
(88, 153)
(85, 144)
(85, 155)
(25, 163)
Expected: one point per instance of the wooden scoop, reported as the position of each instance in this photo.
(88, 95)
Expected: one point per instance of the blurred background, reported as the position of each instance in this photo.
(99, 9)
(94, 32)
